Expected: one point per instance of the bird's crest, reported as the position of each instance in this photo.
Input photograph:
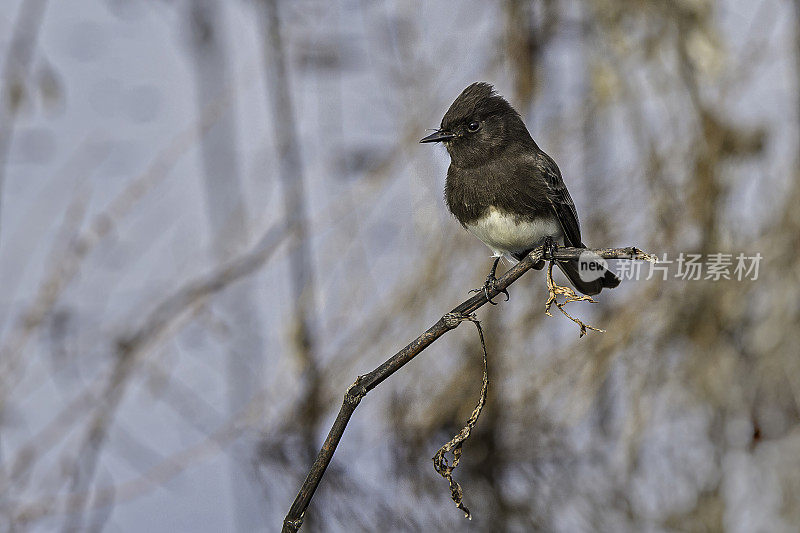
(479, 96)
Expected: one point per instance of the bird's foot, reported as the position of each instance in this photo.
(550, 248)
(489, 287)
(491, 284)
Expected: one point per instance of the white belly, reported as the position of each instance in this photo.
(505, 233)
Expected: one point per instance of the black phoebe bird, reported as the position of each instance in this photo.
(505, 190)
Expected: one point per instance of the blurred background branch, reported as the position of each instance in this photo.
(14, 85)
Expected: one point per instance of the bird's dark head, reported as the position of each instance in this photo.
(479, 126)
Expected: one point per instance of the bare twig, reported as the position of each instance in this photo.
(367, 382)
(569, 296)
(440, 462)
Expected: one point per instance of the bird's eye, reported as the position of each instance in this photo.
(474, 125)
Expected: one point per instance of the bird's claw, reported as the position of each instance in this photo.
(550, 248)
(488, 287)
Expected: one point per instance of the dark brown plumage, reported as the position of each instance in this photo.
(502, 187)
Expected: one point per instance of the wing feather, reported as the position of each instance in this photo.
(560, 200)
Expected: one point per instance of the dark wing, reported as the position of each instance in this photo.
(560, 200)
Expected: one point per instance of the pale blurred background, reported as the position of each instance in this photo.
(215, 214)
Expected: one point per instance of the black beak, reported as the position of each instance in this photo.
(437, 136)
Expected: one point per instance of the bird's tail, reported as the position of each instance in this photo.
(591, 281)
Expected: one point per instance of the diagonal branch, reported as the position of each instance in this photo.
(367, 382)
